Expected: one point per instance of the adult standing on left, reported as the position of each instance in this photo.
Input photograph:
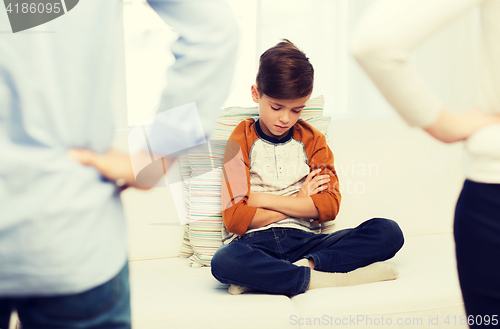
(63, 252)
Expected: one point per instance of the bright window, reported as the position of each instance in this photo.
(321, 28)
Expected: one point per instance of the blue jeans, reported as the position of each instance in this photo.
(477, 243)
(263, 260)
(104, 307)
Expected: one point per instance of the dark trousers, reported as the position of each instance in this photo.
(263, 260)
(104, 307)
(477, 240)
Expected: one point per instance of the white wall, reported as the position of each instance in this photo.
(417, 179)
(321, 28)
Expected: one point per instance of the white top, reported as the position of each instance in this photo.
(62, 227)
(388, 33)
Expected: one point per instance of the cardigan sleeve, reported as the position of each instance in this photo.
(328, 201)
(382, 44)
(235, 189)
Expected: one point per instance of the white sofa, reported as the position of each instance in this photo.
(387, 170)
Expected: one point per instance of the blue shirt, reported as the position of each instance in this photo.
(62, 226)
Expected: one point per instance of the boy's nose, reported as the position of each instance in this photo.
(284, 118)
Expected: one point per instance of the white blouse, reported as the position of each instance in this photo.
(388, 33)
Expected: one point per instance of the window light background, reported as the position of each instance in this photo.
(321, 28)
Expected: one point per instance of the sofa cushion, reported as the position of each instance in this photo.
(153, 229)
(168, 294)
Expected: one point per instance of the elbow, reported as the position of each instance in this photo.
(224, 32)
(328, 205)
(227, 224)
(364, 49)
(357, 48)
(367, 42)
(374, 53)
(328, 214)
(232, 34)
(236, 230)
(230, 42)
(231, 227)
(360, 46)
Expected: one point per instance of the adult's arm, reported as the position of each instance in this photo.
(382, 44)
(205, 55)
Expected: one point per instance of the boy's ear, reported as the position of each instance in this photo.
(255, 93)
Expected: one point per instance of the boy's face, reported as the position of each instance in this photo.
(277, 116)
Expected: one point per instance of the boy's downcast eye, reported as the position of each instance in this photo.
(294, 111)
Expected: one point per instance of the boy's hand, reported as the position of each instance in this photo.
(314, 185)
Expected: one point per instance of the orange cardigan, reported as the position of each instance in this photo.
(303, 150)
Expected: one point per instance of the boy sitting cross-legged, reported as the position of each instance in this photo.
(279, 184)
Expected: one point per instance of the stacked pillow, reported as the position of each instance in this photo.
(201, 170)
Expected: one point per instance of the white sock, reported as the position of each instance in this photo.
(302, 262)
(372, 273)
(237, 290)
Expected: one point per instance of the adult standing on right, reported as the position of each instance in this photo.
(383, 42)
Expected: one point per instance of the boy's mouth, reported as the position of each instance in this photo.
(280, 127)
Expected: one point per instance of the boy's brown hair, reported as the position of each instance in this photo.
(285, 72)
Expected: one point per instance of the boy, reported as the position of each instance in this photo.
(279, 184)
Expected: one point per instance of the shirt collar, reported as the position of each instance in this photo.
(272, 139)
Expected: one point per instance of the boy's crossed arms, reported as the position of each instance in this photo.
(272, 208)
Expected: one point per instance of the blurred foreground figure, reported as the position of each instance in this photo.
(382, 44)
(63, 251)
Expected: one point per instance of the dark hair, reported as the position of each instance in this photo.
(285, 72)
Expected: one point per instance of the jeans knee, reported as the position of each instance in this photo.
(219, 259)
(226, 259)
(391, 231)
